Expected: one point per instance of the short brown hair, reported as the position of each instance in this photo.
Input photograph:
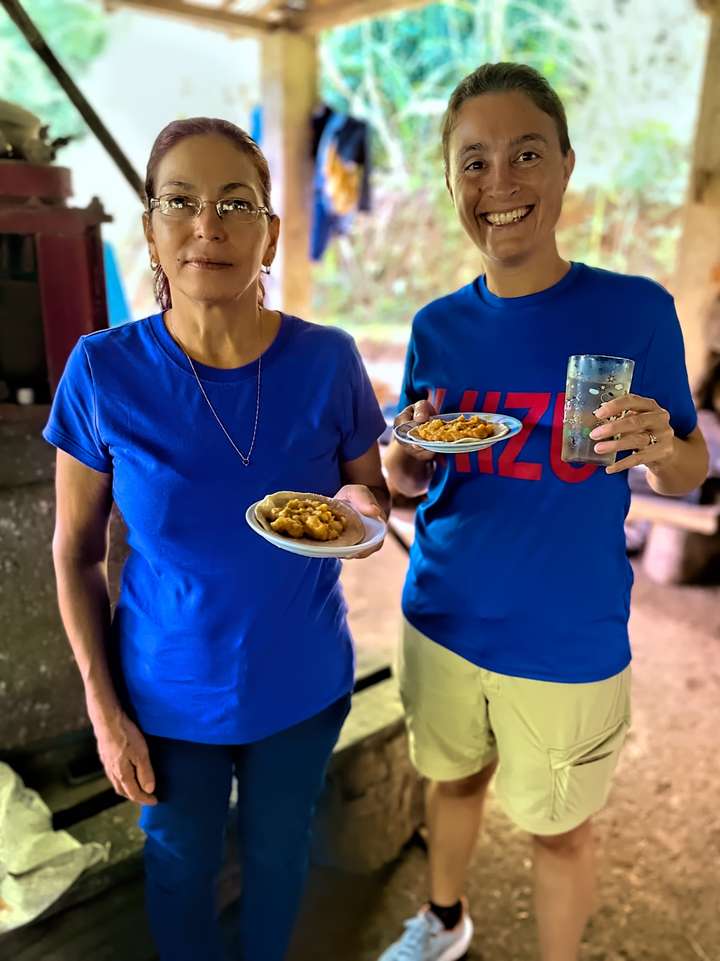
(179, 130)
(503, 78)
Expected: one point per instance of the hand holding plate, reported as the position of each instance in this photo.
(363, 500)
(418, 413)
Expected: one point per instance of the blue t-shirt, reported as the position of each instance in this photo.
(219, 637)
(519, 560)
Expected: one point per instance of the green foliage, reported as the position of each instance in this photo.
(76, 33)
(627, 72)
(398, 72)
(654, 164)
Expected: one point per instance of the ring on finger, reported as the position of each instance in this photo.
(652, 438)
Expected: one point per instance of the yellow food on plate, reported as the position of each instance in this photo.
(310, 517)
(462, 428)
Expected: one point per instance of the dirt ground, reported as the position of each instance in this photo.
(658, 840)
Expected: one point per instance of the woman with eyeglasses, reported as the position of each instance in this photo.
(224, 656)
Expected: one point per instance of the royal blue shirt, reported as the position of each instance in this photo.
(218, 637)
(519, 560)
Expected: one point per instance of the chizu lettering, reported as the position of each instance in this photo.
(506, 460)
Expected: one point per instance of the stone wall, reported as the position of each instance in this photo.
(373, 799)
(40, 691)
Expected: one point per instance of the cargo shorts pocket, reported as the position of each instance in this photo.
(582, 774)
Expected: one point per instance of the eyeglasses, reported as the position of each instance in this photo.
(236, 210)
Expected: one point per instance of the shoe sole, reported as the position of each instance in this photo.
(456, 952)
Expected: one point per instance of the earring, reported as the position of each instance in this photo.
(265, 269)
(154, 264)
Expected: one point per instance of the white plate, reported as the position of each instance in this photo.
(510, 425)
(374, 533)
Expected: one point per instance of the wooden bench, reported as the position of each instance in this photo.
(682, 544)
(698, 518)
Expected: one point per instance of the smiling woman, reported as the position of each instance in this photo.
(225, 655)
(517, 598)
(508, 186)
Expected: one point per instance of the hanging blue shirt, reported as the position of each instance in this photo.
(347, 140)
(519, 561)
(219, 637)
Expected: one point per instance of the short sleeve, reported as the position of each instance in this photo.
(73, 425)
(363, 420)
(409, 392)
(665, 377)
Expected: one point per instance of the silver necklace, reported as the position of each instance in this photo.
(245, 458)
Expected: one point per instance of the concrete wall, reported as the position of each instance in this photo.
(40, 691)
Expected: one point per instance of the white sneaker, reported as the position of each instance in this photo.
(427, 939)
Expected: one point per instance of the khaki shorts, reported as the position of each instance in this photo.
(557, 744)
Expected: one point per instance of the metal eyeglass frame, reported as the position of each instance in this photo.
(155, 202)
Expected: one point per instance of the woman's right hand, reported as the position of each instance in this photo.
(124, 754)
(419, 413)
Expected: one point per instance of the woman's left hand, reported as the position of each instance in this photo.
(362, 499)
(644, 428)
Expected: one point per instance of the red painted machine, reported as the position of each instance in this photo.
(52, 283)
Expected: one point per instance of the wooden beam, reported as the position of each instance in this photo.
(214, 17)
(259, 9)
(269, 6)
(289, 86)
(696, 284)
(348, 11)
(273, 15)
(700, 518)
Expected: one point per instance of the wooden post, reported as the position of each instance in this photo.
(697, 279)
(289, 93)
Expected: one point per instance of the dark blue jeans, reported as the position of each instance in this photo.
(279, 781)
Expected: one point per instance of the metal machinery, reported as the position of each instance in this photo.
(52, 284)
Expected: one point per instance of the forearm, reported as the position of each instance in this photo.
(684, 471)
(406, 474)
(84, 604)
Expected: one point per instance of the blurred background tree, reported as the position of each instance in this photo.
(76, 32)
(626, 70)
